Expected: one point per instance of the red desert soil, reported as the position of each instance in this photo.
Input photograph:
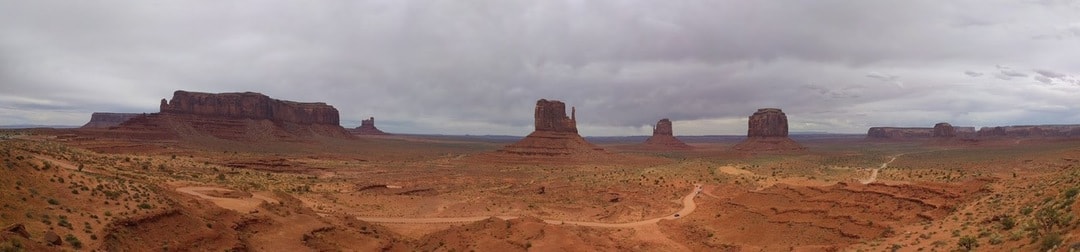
(408, 193)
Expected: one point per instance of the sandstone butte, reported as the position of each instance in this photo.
(367, 127)
(663, 137)
(768, 131)
(241, 116)
(104, 120)
(555, 134)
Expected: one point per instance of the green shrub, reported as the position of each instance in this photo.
(967, 243)
(74, 241)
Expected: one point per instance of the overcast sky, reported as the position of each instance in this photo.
(478, 67)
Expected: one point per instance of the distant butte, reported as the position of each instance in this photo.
(555, 134)
(663, 137)
(940, 130)
(768, 131)
(103, 120)
(237, 116)
(367, 127)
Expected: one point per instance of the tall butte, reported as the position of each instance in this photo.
(367, 127)
(768, 131)
(663, 137)
(555, 134)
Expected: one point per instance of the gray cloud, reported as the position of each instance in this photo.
(478, 67)
(973, 73)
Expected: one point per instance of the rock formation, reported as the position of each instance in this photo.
(249, 105)
(102, 120)
(555, 134)
(944, 130)
(1053, 131)
(238, 116)
(367, 127)
(768, 131)
(663, 136)
(940, 130)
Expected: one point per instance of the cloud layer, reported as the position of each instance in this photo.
(477, 67)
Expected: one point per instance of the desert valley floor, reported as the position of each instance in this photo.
(90, 191)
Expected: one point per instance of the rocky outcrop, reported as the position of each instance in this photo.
(249, 105)
(944, 130)
(899, 132)
(554, 133)
(236, 116)
(1055, 131)
(663, 136)
(767, 130)
(367, 127)
(940, 130)
(102, 120)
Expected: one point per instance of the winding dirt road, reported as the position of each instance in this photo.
(873, 174)
(242, 205)
(687, 201)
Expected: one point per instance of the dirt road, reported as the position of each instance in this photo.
(874, 173)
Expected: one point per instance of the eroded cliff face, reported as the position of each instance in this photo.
(767, 130)
(249, 105)
(102, 120)
(551, 116)
(244, 116)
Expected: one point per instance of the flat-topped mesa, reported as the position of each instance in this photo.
(249, 105)
(1021, 131)
(940, 130)
(551, 116)
(555, 134)
(103, 120)
(663, 136)
(767, 130)
(367, 127)
(244, 116)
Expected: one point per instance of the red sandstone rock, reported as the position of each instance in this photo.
(944, 130)
(555, 134)
(249, 105)
(768, 131)
(663, 136)
(101, 120)
(367, 127)
(236, 116)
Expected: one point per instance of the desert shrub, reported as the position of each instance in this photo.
(1007, 222)
(53, 201)
(967, 243)
(74, 241)
(1026, 210)
(1049, 241)
(145, 205)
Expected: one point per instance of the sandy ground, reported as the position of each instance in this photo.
(242, 205)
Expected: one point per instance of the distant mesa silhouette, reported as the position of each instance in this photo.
(767, 130)
(105, 120)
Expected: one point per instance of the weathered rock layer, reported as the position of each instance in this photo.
(249, 105)
(663, 136)
(102, 120)
(768, 131)
(1056, 131)
(555, 134)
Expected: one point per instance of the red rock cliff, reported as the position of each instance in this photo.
(663, 136)
(367, 127)
(551, 116)
(251, 106)
(768, 122)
